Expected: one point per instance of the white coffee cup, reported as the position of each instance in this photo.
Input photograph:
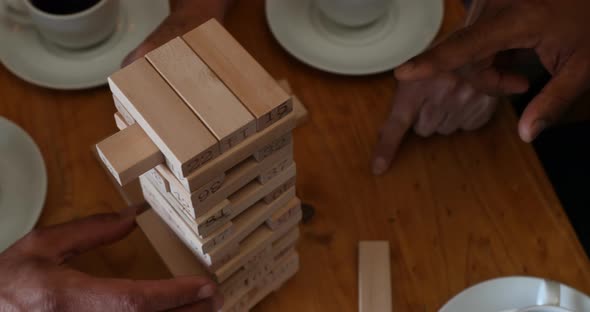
(353, 13)
(75, 31)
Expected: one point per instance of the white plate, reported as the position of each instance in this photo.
(23, 183)
(31, 58)
(405, 31)
(510, 293)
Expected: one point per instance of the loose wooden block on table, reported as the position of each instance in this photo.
(203, 92)
(242, 74)
(126, 156)
(374, 277)
(173, 127)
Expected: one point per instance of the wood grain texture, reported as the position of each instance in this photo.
(249, 81)
(203, 92)
(456, 210)
(173, 127)
(127, 156)
(374, 277)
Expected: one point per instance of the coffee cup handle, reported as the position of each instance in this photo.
(549, 293)
(16, 11)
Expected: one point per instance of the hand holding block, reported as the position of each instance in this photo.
(203, 92)
(257, 90)
(172, 126)
(126, 156)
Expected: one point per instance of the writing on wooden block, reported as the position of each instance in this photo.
(374, 276)
(235, 179)
(299, 109)
(164, 117)
(175, 221)
(208, 97)
(238, 154)
(162, 184)
(274, 146)
(280, 190)
(257, 90)
(123, 111)
(283, 215)
(273, 171)
(126, 157)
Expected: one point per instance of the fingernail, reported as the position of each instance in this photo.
(538, 126)
(206, 291)
(379, 166)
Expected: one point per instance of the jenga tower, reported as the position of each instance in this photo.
(208, 133)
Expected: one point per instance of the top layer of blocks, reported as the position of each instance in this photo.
(191, 101)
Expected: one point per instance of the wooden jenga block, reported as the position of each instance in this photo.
(235, 179)
(177, 258)
(173, 127)
(205, 225)
(126, 157)
(259, 92)
(298, 108)
(123, 112)
(259, 145)
(131, 192)
(282, 216)
(257, 246)
(374, 276)
(162, 184)
(203, 92)
(274, 146)
(247, 222)
(282, 272)
(280, 190)
(119, 121)
(173, 219)
(279, 131)
(277, 168)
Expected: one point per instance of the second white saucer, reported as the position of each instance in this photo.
(406, 30)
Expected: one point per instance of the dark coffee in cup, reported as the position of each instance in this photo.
(63, 7)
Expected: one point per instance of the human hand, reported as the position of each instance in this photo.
(556, 30)
(185, 15)
(443, 105)
(33, 278)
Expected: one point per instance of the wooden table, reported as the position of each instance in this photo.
(457, 210)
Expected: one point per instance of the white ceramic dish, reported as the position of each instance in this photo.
(23, 183)
(33, 59)
(510, 293)
(406, 30)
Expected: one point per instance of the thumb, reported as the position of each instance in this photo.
(59, 242)
(571, 81)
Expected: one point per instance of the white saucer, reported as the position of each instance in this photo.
(406, 30)
(33, 59)
(510, 293)
(23, 183)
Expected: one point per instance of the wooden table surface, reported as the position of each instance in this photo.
(457, 210)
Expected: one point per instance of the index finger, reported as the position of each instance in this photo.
(472, 44)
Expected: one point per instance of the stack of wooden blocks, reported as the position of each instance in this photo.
(207, 132)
